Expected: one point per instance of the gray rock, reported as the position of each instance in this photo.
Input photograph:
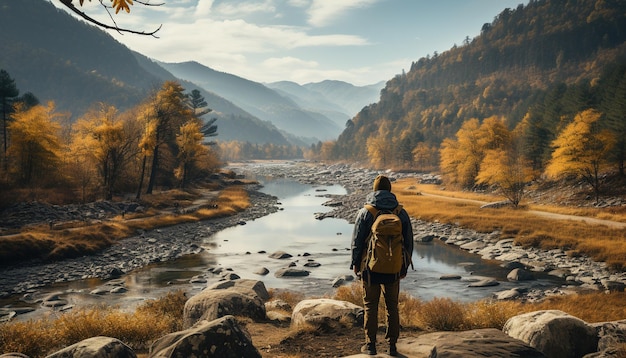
(262, 271)
(487, 282)
(339, 281)
(218, 338)
(611, 334)
(96, 347)
(613, 286)
(554, 333)
(231, 299)
(291, 272)
(519, 274)
(323, 311)
(280, 255)
(508, 294)
(477, 343)
(450, 277)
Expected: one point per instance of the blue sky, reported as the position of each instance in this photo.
(357, 41)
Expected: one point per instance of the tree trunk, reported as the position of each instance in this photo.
(153, 170)
(143, 172)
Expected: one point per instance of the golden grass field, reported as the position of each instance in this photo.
(600, 242)
(42, 242)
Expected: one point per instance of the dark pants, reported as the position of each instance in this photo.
(371, 297)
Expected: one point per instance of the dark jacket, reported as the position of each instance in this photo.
(382, 200)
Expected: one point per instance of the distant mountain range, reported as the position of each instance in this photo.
(59, 58)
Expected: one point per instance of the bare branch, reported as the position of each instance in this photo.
(74, 9)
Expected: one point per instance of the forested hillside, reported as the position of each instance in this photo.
(533, 72)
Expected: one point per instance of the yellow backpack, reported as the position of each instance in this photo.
(385, 251)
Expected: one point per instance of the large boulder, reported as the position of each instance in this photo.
(222, 338)
(554, 333)
(489, 342)
(244, 298)
(96, 347)
(323, 312)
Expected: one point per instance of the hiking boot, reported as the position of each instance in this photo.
(369, 348)
(393, 351)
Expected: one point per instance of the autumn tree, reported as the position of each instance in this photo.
(35, 147)
(460, 159)
(506, 168)
(191, 150)
(582, 149)
(102, 137)
(163, 115)
(425, 157)
(380, 146)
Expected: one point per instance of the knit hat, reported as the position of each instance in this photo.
(382, 183)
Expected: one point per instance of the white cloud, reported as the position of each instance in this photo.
(298, 3)
(286, 63)
(245, 8)
(203, 8)
(323, 12)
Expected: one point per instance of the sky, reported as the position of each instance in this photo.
(357, 41)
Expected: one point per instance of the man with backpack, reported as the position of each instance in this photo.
(382, 245)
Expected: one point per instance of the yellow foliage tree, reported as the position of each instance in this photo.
(425, 156)
(460, 158)
(190, 149)
(101, 138)
(380, 147)
(508, 170)
(163, 115)
(582, 149)
(35, 149)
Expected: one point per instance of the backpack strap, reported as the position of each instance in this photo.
(372, 210)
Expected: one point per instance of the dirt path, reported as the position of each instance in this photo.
(545, 214)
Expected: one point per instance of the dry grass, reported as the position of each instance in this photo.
(599, 242)
(38, 338)
(159, 317)
(49, 244)
(444, 314)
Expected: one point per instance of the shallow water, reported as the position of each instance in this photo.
(295, 230)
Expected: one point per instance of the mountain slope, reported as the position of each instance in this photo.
(59, 58)
(542, 61)
(234, 124)
(258, 100)
(337, 100)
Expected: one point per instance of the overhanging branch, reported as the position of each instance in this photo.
(74, 9)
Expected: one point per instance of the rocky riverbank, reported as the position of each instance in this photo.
(164, 244)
